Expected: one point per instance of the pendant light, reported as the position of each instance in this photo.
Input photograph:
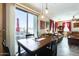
(73, 18)
(42, 12)
(46, 9)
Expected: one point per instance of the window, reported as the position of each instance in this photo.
(25, 23)
(35, 26)
(21, 23)
(30, 23)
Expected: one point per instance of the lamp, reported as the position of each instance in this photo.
(46, 10)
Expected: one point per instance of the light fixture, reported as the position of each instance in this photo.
(73, 18)
(46, 10)
(42, 12)
(42, 16)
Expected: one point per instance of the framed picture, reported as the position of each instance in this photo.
(76, 25)
(42, 24)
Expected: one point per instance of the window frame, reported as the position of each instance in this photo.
(27, 18)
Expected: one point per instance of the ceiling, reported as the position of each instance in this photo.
(62, 11)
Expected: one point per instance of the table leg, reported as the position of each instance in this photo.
(19, 49)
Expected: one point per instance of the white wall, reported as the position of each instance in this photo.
(10, 28)
(67, 17)
(41, 31)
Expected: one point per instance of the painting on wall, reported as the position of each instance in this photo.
(76, 25)
(42, 24)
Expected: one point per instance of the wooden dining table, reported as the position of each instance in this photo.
(31, 46)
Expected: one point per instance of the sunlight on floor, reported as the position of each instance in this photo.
(63, 47)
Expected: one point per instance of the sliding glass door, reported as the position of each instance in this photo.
(25, 23)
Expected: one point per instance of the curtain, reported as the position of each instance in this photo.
(63, 25)
(69, 25)
(52, 25)
(56, 25)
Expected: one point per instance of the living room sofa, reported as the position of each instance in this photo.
(73, 38)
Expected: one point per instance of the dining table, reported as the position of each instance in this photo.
(32, 45)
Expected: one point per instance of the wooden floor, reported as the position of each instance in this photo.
(63, 49)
